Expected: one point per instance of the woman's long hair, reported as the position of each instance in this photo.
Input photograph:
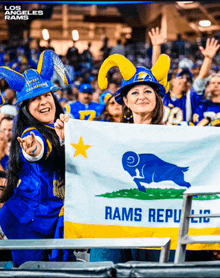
(22, 121)
(156, 115)
(105, 116)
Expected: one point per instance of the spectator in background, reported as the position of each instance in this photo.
(10, 96)
(181, 100)
(5, 254)
(21, 57)
(73, 57)
(4, 158)
(84, 108)
(181, 103)
(185, 63)
(195, 70)
(116, 77)
(118, 48)
(10, 62)
(112, 111)
(208, 112)
(72, 93)
(87, 57)
(63, 102)
(105, 49)
(96, 95)
(113, 86)
(6, 124)
(178, 47)
(8, 110)
(3, 183)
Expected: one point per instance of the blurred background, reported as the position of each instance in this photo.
(63, 25)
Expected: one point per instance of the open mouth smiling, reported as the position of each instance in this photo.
(45, 110)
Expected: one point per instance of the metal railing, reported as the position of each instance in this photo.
(88, 243)
(184, 238)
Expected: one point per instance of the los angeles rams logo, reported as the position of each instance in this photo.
(143, 76)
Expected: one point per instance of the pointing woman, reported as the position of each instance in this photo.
(35, 188)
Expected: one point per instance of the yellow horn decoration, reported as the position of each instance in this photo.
(40, 63)
(160, 70)
(126, 67)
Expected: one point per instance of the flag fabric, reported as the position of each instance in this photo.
(128, 180)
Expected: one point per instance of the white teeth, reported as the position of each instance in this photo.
(45, 110)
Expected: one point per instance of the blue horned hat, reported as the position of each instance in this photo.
(33, 83)
(155, 77)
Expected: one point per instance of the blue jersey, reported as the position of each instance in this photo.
(84, 111)
(207, 113)
(37, 199)
(180, 108)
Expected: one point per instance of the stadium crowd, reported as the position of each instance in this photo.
(192, 97)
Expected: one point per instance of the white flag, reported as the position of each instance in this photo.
(127, 180)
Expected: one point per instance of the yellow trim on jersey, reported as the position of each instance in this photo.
(50, 127)
(28, 129)
(50, 148)
(59, 189)
(68, 109)
(61, 211)
(215, 122)
(76, 230)
(172, 95)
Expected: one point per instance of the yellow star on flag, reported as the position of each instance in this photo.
(81, 148)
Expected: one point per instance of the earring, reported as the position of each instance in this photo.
(128, 118)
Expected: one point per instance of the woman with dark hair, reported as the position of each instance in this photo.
(141, 98)
(35, 188)
(112, 111)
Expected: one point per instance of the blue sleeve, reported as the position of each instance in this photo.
(196, 100)
(46, 142)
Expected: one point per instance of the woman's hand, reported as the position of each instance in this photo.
(30, 144)
(59, 126)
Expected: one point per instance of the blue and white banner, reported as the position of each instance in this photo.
(127, 180)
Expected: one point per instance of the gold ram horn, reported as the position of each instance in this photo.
(126, 68)
(160, 70)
